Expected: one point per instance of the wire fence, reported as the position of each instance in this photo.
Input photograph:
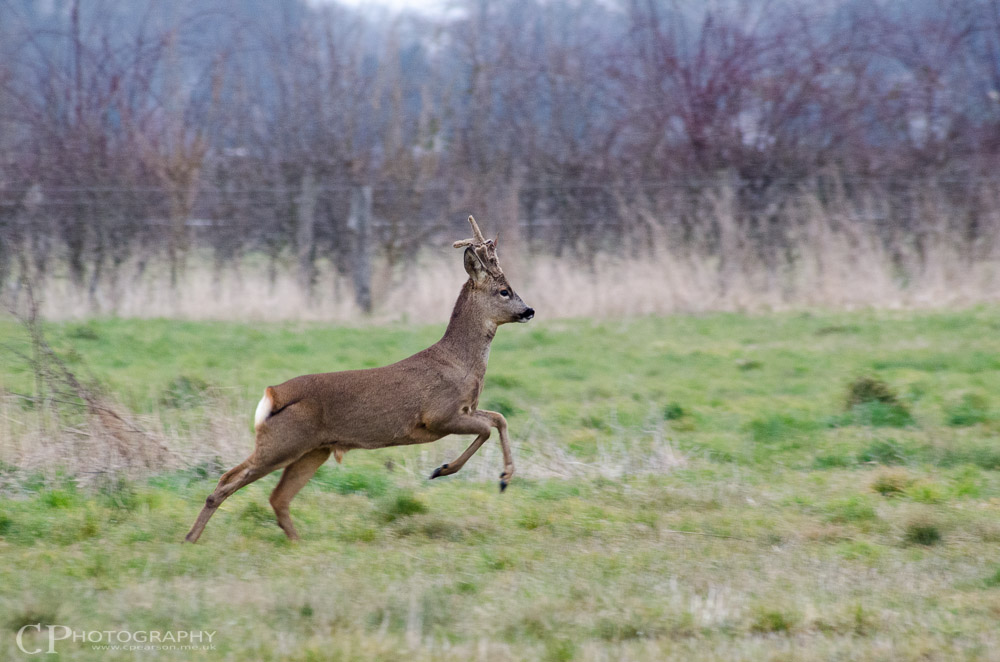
(95, 228)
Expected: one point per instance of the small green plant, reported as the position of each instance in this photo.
(369, 482)
(184, 392)
(883, 451)
(119, 494)
(831, 461)
(559, 650)
(255, 513)
(870, 389)
(922, 531)
(467, 587)
(993, 581)
(925, 491)
(778, 428)
(502, 404)
(970, 410)
(402, 504)
(6, 524)
(880, 415)
(31, 614)
(984, 456)
(968, 483)
(594, 421)
(766, 621)
(82, 332)
(59, 499)
(851, 509)
(872, 402)
(532, 518)
(673, 411)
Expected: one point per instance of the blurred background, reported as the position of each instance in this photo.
(294, 159)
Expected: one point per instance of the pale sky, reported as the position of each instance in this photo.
(423, 6)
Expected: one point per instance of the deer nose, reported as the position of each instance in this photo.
(528, 314)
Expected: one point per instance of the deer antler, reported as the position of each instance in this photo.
(475, 241)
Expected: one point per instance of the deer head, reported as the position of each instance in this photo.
(488, 287)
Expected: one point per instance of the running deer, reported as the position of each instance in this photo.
(430, 395)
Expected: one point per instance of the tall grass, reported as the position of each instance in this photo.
(829, 250)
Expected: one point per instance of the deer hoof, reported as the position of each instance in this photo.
(437, 472)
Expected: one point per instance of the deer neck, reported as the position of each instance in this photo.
(469, 333)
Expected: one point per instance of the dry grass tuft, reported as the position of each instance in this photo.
(891, 482)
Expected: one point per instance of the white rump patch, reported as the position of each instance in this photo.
(264, 408)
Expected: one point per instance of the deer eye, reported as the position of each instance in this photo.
(505, 293)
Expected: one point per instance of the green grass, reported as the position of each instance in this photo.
(837, 497)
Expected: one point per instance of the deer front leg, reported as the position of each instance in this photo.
(480, 421)
(500, 423)
(452, 467)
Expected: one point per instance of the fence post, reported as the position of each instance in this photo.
(359, 223)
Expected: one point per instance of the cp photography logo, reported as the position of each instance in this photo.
(38, 638)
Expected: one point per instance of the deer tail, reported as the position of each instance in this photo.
(264, 408)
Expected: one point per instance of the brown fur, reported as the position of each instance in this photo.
(420, 399)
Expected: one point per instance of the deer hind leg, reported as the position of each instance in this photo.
(251, 469)
(295, 476)
(240, 475)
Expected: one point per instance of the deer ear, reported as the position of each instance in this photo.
(474, 266)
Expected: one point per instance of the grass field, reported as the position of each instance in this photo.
(719, 487)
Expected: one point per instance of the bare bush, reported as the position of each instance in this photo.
(74, 424)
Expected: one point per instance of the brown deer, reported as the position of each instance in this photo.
(429, 395)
